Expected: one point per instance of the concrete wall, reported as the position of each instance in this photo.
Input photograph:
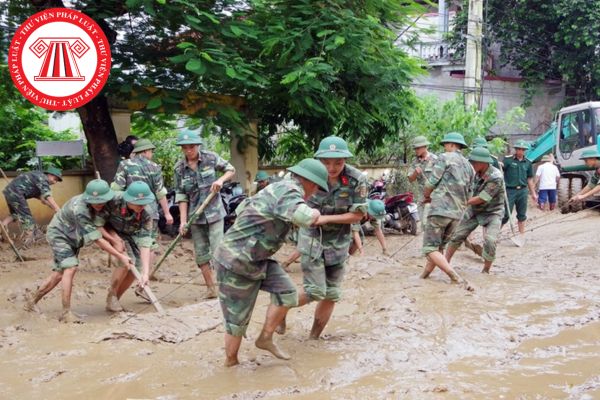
(73, 184)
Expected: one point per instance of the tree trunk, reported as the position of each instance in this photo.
(101, 137)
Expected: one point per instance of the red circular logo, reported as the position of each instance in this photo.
(59, 59)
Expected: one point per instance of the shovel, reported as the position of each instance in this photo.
(517, 241)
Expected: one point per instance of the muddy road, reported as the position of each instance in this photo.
(531, 330)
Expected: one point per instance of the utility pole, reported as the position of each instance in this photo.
(473, 75)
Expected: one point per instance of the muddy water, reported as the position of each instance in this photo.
(530, 330)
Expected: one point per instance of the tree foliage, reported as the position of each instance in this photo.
(546, 40)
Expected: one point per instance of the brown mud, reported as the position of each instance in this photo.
(530, 330)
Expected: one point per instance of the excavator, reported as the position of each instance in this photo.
(574, 129)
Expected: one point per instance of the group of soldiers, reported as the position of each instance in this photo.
(323, 197)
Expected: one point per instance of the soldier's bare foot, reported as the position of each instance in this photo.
(230, 362)
(425, 274)
(69, 317)
(211, 293)
(485, 270)
(112, 303)
(30, 304)
(265, 342)
(281, 328)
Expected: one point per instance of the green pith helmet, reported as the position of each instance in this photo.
(480, 142)
(589, 153)
(313, 170)
(454, 137)
(98, 192)
(261, 176)
(376, 208)
(420, 141)
(521, 144)
(142, 145)
(54, 171)
(333, 147)
(188, 137)
(139, 193)
(481, 154)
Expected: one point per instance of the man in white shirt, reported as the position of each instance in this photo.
(547, 175)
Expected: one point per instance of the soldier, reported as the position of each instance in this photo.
(591, 158)
(420, 170)
(243, 259)
(71, 229)
(30, 185)
(518, 177)
(481, 142)
(485, 208)
(262, 180)
(448, 189)
(140, 167)
(127, 225)
(195, 178)
(325, 250)
(375, 216)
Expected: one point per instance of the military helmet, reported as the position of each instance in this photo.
(139, 193)
(589, 153)
(376, 208)
(521, 144)
(188, 137)
(481, 154)
(454, 137)
(261, 176)
(142, 145)
(480, 142)
(420, 141)
(313, 170)
(97, 191)
(333, 147)
(54, 171)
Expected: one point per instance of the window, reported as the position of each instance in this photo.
(577, 131)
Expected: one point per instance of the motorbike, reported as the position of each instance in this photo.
(401, 212)
(232, 195)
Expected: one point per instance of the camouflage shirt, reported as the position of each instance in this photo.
(139, 168)
(193, 186)
(261, 226)
(595, 179)
(30, 185)
(490, 188)
(426, 166)
(451, 180)
(349, 194)
(126, 222)
(75, 222)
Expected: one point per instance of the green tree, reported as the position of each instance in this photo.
(23, 124)
(545, 40)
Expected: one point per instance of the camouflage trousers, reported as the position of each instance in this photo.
(320, 281)
(206, 238)
(65, 251)
(437, 233)
(423, 211)
(237, 294)
(19, 210)
(491, 229)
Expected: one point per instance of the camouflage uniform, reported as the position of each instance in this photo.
(243, 260)
(134, 229)
(452, 179)
(426, 166)
(26, 186)
(193, 187)
(71, 229)
(325, 249)
(594, 180)
(139, 168)
(489, 188)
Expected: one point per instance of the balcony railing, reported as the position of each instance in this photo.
(435, 53)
